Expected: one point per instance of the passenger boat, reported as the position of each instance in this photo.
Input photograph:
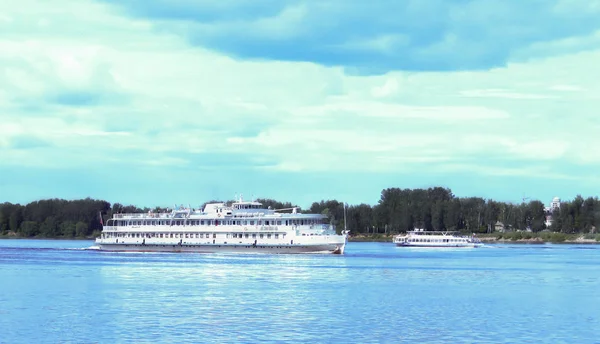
(421, 238)
(240, 227)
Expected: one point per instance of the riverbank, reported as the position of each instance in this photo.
(13, 235)
(511, 237)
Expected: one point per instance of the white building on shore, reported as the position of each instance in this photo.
(554, 205)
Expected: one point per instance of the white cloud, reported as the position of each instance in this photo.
(390, 87)
(499, 93)
(173, 99)
(538, 173)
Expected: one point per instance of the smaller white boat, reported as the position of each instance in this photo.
(422, 238)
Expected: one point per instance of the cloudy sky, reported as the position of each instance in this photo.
(158, 102)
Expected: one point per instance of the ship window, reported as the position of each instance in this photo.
(253, 236)
(252, 223)
(214, 235)
(261, 235)
(279, 223)
(267, 223)
(269, 236)
(246, 235)
(276, 236)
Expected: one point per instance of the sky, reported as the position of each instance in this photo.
(157, 102)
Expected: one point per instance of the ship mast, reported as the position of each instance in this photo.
(345, 228)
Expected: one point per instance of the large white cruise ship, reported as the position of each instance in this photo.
(241, 227)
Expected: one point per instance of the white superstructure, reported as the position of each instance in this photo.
(421, 238)
(239, 227)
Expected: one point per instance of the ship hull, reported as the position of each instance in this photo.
(226, 248)
(469, 245)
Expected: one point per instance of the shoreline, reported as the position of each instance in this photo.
(550, 238)
(538, 241)
(14, 237)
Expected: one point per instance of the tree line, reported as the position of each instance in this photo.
(398, 210)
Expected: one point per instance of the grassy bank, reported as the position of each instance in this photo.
(541, 237)
(371, 238)
(13, 235)
(511, 237)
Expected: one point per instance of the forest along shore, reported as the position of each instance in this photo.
(510, 237)
(397, 211)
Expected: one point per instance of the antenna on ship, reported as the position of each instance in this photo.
(345, 228)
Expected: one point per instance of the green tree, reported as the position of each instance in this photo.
(30, 228)
(81, 229)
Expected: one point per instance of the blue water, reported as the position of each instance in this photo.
(56, 292)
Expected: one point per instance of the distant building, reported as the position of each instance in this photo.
(554, 205)
(499, 227)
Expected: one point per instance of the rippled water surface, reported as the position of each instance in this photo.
(58, 292)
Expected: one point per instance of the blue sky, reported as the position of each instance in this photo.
(161, 102)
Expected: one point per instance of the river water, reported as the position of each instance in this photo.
(56, 291)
